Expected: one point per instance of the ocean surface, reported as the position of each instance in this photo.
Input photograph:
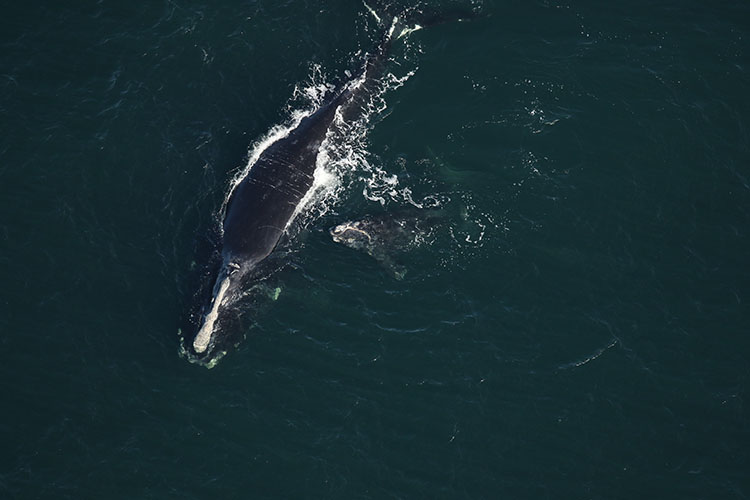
(576, 327)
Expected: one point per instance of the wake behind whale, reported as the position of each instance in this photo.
(275, 187)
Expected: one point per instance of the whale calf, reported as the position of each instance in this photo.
(382, 236)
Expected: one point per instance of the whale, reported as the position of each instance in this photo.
(383, 236)
(258, 212)
(262, 205)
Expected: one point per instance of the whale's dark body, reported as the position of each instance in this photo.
(259, 210)
(263, 203)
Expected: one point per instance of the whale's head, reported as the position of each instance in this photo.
(217, 324)
(351, 234)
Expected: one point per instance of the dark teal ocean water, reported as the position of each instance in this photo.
(579, 328)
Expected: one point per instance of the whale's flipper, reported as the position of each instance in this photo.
(394, 269)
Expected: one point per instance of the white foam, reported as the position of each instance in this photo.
(393, 27)
(374, 14)
(409, 31)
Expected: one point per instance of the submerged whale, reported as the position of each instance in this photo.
(263, 204)
(382, 236)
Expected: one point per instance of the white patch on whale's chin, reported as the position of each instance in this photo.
(202, 339)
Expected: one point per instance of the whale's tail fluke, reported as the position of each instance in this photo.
(396, 23)
(400, 21)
